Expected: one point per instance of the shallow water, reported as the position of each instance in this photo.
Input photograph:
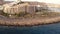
(42, 29)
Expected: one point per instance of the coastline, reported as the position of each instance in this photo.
(29, 21)
(32, 21)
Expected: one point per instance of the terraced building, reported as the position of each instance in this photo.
(29, 7)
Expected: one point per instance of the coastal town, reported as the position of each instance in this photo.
(28, 13)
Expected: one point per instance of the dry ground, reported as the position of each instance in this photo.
(28, 20)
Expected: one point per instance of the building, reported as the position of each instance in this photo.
(29, 7)
(1, 2)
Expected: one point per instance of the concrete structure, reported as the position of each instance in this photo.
(1, 2)
(29, 7)
(15, 9)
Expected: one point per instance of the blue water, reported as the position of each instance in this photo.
(42, 29)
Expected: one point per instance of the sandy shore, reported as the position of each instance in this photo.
(28, 21)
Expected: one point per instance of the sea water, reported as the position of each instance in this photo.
(41, 29)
